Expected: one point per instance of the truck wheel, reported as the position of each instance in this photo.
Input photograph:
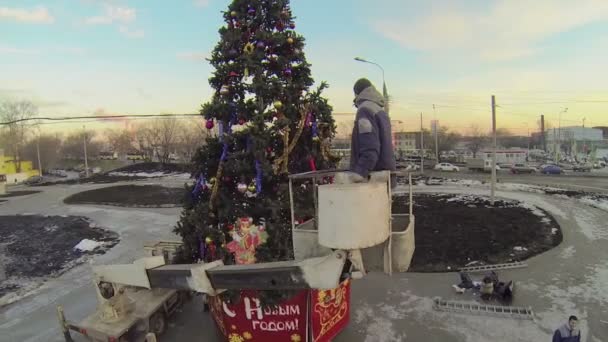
(157, 323)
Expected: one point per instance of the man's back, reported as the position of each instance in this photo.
(371, 146)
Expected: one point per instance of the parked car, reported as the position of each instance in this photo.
(551, 170)
(33, 180)
(412, 167)
(522, 168)
(446, 167)
(582, 168)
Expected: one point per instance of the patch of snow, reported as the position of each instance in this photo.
(86, 245)
(567, 252)
(520, 249)
(554, 231)
(597, 203)
(591, 228)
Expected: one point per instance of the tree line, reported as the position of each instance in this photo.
(161, 139)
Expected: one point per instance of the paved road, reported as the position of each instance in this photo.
(569, 279)
(592, 182)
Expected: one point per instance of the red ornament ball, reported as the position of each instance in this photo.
(241, 122)
(233, 74)
(209, 124)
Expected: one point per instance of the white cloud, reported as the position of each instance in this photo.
(138, 33)
(191, 56)
(120, 16)
(201, 3)
(113, 14)
(9, 50)
(38, 15)
(506, 30)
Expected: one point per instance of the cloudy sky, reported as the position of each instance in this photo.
(79, 57)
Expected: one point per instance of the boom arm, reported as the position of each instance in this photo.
(318, 273)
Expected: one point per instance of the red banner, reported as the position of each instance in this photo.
(247, 321)
(310, 316)
(330, 312)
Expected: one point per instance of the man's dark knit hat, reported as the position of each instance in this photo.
(361, 84)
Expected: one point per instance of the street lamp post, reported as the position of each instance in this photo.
(559, 133)
(384, 90)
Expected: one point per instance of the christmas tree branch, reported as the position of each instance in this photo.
(281, 163)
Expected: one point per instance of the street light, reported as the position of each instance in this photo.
(384, 91)
(559, 133)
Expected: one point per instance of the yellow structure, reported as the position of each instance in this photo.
(8, 167)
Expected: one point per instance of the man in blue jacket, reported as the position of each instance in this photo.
(371, 142)
(568, 332)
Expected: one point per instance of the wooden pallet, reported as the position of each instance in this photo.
(495, 267)
(515, 312)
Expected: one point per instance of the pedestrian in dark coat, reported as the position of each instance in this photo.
(568, 332)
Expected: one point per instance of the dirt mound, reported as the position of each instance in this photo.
(455, 230)
(35, 247)
(153, 167)
(130, 196)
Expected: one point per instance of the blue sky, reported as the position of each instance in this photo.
(79, 57)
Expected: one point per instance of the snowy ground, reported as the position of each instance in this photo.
(34, 318)
(569, 279)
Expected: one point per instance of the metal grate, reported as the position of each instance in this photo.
(495, 267)
(481, 309)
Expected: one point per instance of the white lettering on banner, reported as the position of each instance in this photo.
(227, 311)
(283, 310)
(257, 309)
(291, 325)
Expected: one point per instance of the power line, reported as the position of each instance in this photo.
(97, 117)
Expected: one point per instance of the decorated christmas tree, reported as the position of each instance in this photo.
(269, 124)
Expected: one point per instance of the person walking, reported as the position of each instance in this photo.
(568, 332)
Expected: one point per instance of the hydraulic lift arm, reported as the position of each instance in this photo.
(319, 273)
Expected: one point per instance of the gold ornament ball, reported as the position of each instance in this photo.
(212, 180)
(290, 40)
(315, 138)
(251, 187)
(278, 104)
(208, 240)
(224, 90)
(233, 14)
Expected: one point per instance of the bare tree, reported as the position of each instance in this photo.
(158, 138)
(477, 140)
(50, 150)
(120, 141)
(15, 131)
(193, 136)
(73, 146)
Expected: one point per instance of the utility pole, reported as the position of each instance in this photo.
(493, 187)
(86, 161)
(555, 145)
(421, 146)
(584, 122)
(529, 140)
(436, 140)
(38, 153)
(542, 132)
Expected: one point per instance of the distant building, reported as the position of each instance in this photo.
(510, 156)
(574, 140)
(8, 168)
(406, 141)
(604, 130)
